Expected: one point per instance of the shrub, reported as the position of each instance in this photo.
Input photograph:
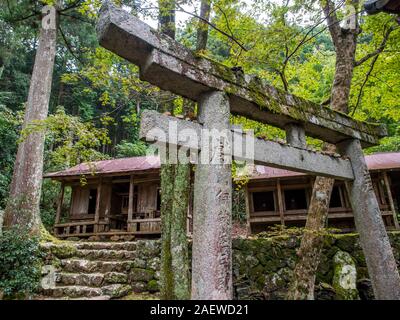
(238, 205)
(129, 149)
(20, 263)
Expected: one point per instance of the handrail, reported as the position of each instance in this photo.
(144, 220)
(83, 223)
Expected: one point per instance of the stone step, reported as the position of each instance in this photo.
(73, 292)
(105, 254)
(112, 291)
(130, 246)
(88, 266)
(80, 298)
(116, 290)
(91, 279)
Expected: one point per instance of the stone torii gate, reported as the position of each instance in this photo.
(220, 92)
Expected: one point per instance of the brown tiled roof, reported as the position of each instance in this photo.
(383, 161)
(378, 161)
(375, 162)
(123, 165)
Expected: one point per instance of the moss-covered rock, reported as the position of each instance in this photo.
(116, 290)
(115, 277)
(346, 242)
(152, 286)
(154, 264)
(138, 274)
(139, 287)
(345, 276)
(324, 291)
(139, 263)
(64, 250)
(251, 261)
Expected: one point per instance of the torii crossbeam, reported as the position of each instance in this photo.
(220, 91)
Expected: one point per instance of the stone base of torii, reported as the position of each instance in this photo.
(219, 92)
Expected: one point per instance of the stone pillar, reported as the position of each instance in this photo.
(295, 135)
(374, 240)
(212, 219)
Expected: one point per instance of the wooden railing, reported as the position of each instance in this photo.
(142, 223)
(80, 228)
(301, 215)
(151, 225)
(149, 222)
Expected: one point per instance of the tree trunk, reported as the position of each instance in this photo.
(23, 205)
(179, 243)
(175, 186)
(302, 286)
(166, 17)
(202, 30)
(167, 195)
(345, 41)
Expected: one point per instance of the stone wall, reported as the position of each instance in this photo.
(145, 271)
(262, 267)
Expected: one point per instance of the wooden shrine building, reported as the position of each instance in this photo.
(111, 197)
(122, 197)
(277, 196)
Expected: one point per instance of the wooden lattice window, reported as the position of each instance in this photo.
(125, 202)
(336, 198)
(295, 199)
(263, 201)
(92, 201)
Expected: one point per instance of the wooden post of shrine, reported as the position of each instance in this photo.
(280, 201)
(97, 212)
(59, 204)
(374, 240)
(247, 202)
(212, 219)
(391, 202)
(130, 205)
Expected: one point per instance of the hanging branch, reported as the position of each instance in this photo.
(374, 55)
(180, 9)
(305, 39)
(379, 49)
(69, 46)
(225, 18)
(73, 5)
(216, 28)
(35, 13)
(360, 93)
(19, 19)
(77, 18)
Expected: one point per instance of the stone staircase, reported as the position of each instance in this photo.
(97, 270)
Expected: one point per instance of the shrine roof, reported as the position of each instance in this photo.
(114, 166)
(375, 162)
